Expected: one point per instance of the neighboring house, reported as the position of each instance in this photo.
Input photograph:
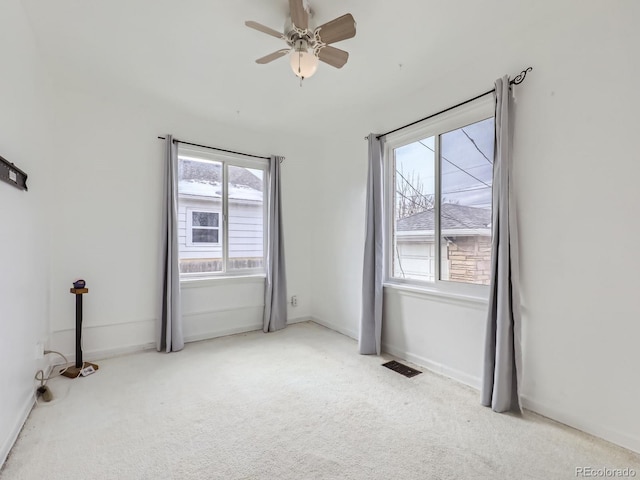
(466, 245)
(200, 222)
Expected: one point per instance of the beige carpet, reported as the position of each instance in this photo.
(296, 404)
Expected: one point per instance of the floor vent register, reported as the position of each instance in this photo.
(402, 369)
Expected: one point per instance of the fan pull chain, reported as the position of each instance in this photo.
(300, 67)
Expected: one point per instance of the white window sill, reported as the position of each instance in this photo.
(437, 295)
(213, 281)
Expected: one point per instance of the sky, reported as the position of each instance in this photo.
(467, 169)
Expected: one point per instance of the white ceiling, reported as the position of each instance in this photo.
(197, 55)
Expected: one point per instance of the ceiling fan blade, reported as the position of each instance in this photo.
(272, 56)
(337, 29)
(263, 29)
(333, 56)
(299, 15)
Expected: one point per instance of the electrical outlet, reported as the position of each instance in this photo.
(39, 351)
(294, 300)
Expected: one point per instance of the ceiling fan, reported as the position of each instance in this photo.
(307, 44)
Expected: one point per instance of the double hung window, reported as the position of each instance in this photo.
(221, 212)
(438, 180)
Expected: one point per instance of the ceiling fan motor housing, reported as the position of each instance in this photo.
(301, 45)
(294, 35)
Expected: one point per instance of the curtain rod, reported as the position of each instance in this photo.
(517, 80)
(175, 140)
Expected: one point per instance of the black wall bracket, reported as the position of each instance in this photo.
(12, 174)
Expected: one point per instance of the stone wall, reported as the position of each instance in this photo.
(469, 259)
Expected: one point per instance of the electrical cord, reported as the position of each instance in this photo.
(43, 391)
(40, 373)
(44, 395)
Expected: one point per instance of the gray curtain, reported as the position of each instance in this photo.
(169, 338)
(371, 320)
(275, 296)
(502, 363)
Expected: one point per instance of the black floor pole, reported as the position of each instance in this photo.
(78, 331)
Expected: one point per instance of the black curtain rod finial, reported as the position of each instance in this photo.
(521, 76)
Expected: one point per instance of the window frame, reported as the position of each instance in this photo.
(226, 159)
(458, 118)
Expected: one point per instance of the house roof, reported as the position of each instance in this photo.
(208, 172)
(201, 188)
(203, 179)
(454, 217)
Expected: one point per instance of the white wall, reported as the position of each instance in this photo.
(25, 140)
(577, 175)
(107, 225)
(338, 231)
(245, 228)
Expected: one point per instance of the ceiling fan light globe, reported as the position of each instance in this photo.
(303, 63)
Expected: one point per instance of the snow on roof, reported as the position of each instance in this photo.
(214, 190)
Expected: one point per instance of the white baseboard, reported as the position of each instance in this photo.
(291, 321)
(105, 341)
(436, 367)
(335, 328)
(623, 439)
(222, 333)
(95, 355)
(234, 331)
(15, 431)
(116, 352)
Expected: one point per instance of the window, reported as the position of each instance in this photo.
(438, 180)
(221, 213)
(204, 227)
